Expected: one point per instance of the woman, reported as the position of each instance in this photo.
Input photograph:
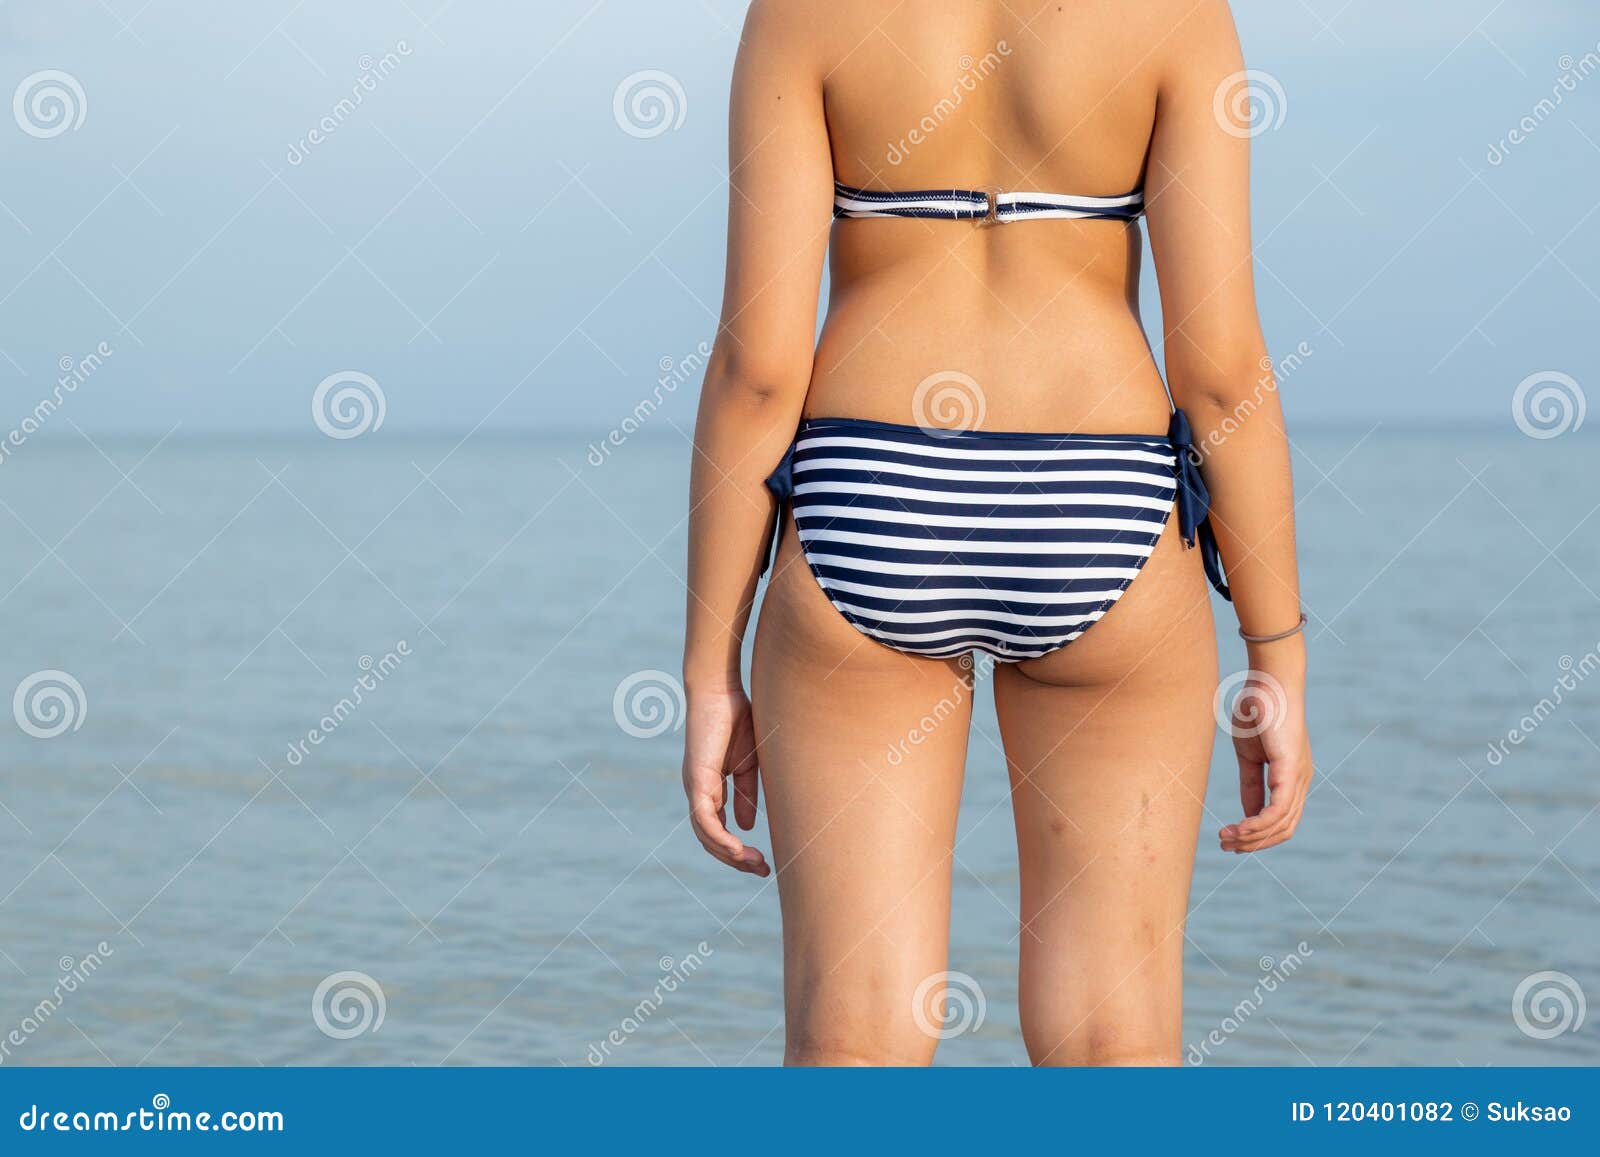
(1072, 547)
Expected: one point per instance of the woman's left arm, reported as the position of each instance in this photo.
(780, 212)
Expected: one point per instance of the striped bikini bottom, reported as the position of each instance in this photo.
(938, 542)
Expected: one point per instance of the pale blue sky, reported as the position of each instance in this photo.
(483, 239)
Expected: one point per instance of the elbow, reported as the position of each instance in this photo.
(1209, 382)
(756, 387)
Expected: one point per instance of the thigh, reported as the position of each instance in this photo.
(1109, 743)
(862, 750)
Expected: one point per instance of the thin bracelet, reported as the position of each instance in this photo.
(1294, 630)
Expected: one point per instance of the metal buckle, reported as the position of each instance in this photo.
(991, 212)
(991, 215)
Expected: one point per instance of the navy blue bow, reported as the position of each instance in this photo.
(1194, 503)
(781, 483)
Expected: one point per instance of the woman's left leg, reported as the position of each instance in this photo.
(1109, 742)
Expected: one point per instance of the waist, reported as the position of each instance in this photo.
(1001, 445)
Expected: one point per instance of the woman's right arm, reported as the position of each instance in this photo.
(1198, 190)
(779, 216)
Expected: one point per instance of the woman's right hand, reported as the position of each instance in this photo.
(720, 743)
(1274, 752)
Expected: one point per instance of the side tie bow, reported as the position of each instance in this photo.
(1194, 503)
(781, 483)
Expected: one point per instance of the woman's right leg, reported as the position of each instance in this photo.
(862, 750)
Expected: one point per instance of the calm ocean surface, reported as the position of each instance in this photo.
(482, 840)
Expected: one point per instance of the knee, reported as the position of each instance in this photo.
(1099, 1046)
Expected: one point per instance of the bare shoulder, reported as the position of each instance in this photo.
(1193, 36)
(796, 23)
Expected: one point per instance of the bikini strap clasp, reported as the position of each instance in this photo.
(991, 215)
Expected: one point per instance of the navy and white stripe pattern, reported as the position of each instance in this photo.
(940, 542)
(978, 205)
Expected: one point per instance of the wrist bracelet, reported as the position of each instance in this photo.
(1294, 630)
